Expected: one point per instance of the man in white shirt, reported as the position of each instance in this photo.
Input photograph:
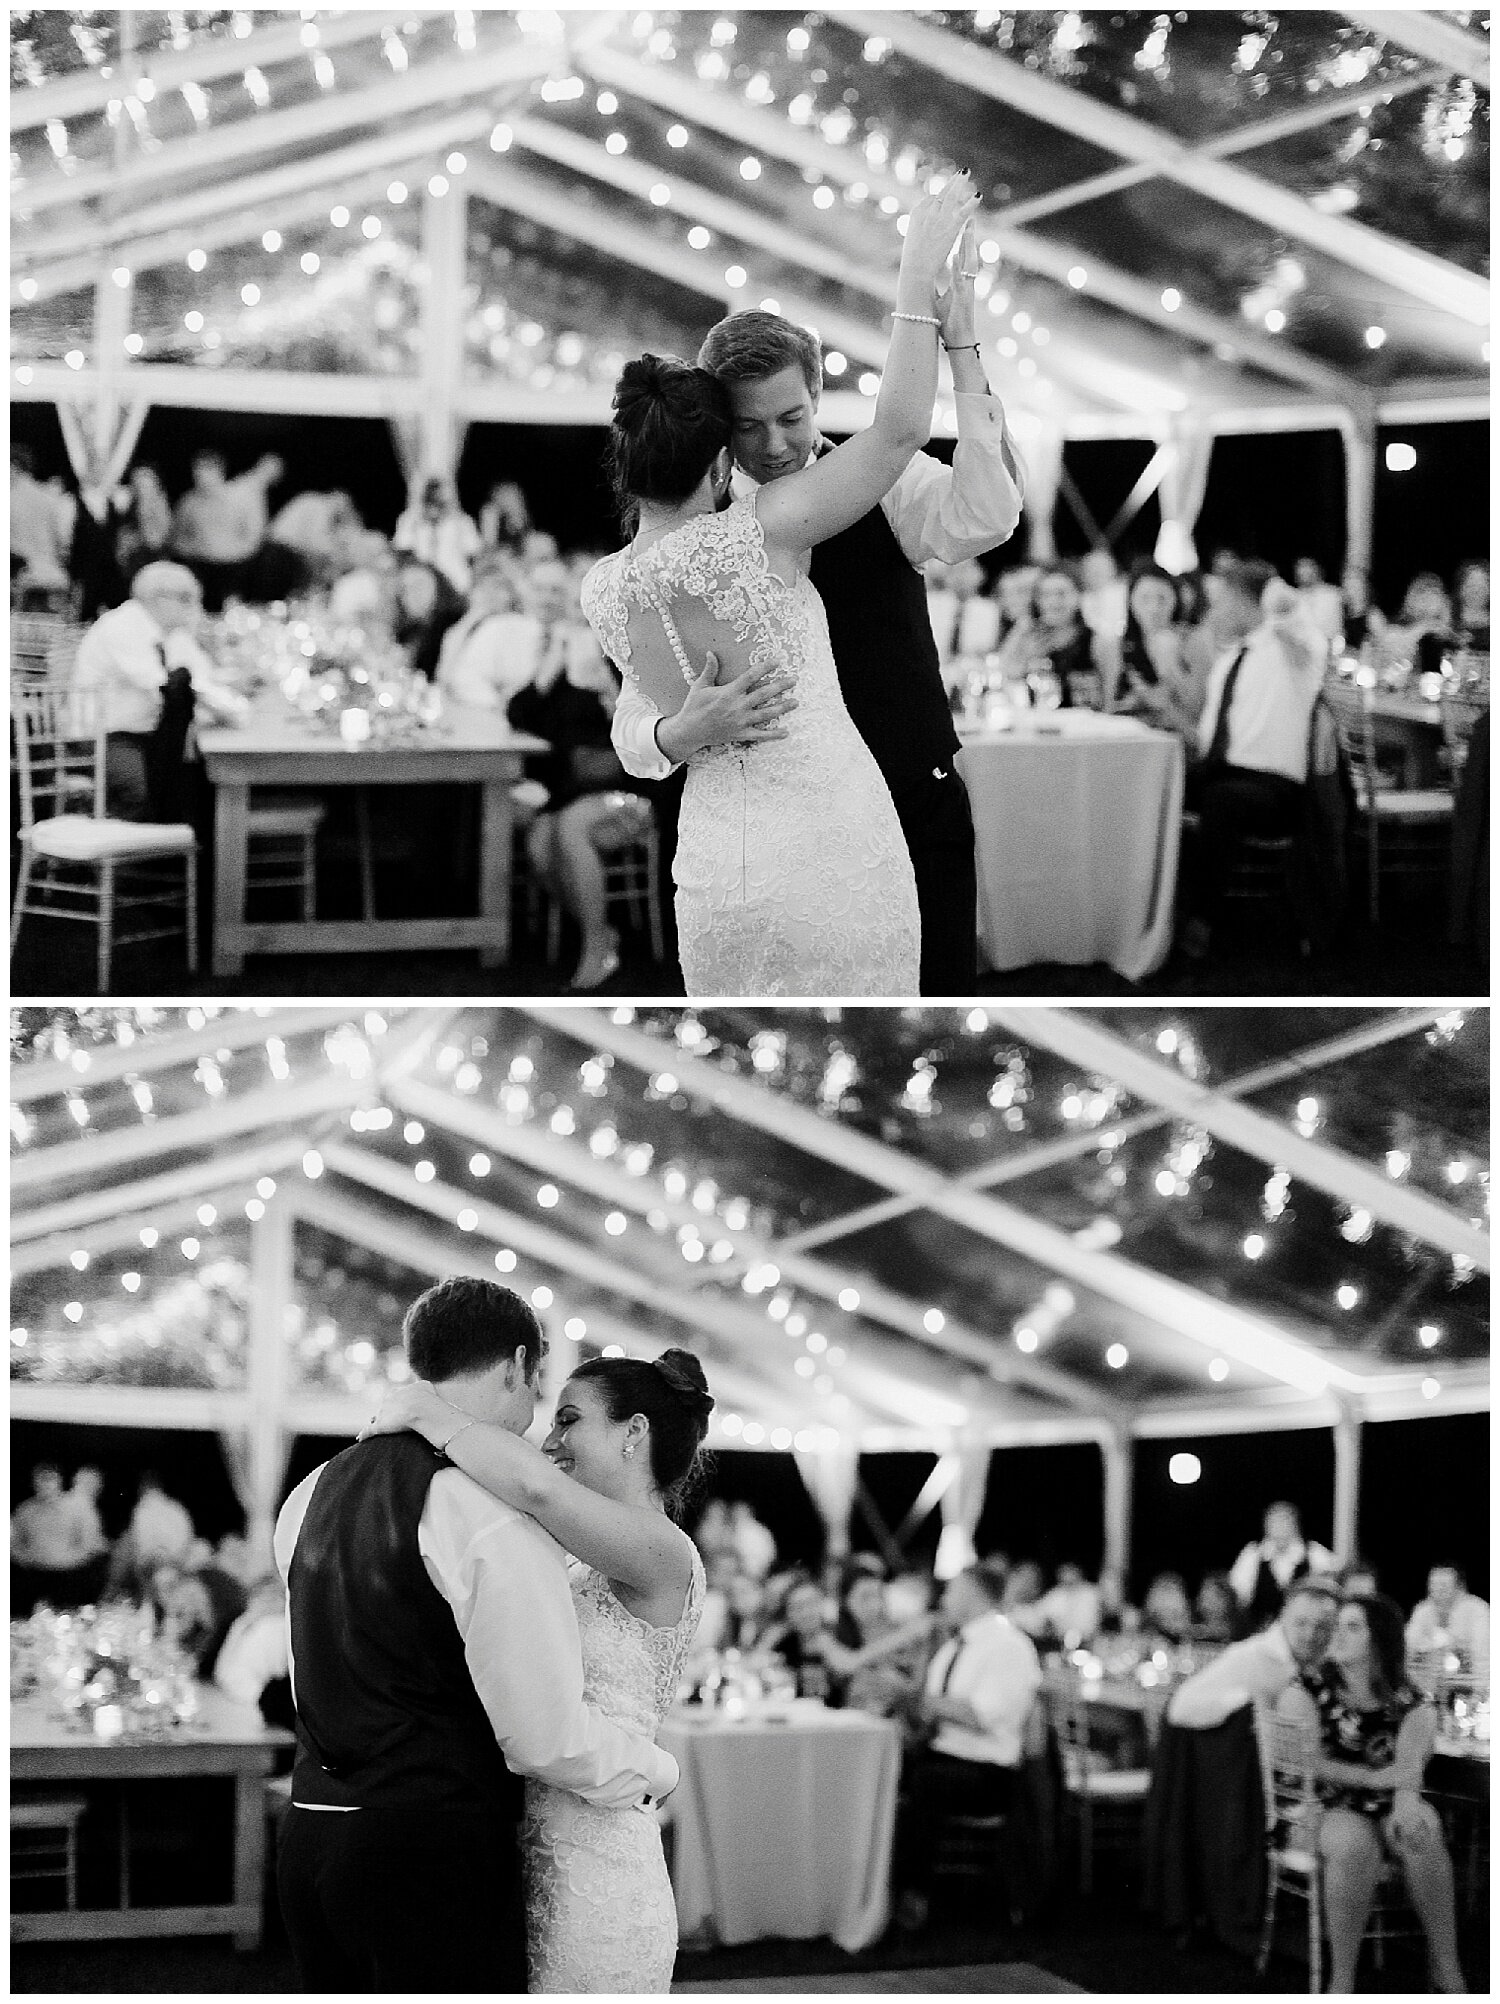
(978, 1694)
(494, 650)
(1072, 1608)
(869, 578)
(438, 531)
(1205, 1815)
(965, 619)
(1252, 741)
(1451, 1618)
(435, 1661)
(127, 656)
(1266, 1568)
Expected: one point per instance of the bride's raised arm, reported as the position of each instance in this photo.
(636, 1547)
(809, 506)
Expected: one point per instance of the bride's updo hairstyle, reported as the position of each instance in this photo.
(674, 1396)
(670, 421)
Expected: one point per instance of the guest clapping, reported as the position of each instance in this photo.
(1055, 644)
(1146, 674)
(437, 530)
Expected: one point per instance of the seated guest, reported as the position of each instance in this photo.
(1323, 602)
(1056, 642)
(197, 1611)
(1369, 1736)
(1071, 1609)
(219, 524)
(978, 1694)
(128, 656)
(1013, 595)
(505, 518)
(1229, 608)
(49, 1556)
(1451, 1618)
(364, 591)
(251, 1665)
(1103, 602)
(426, 605)
(1266, 1568)
(1421, 631)
(1215, 1610)
(484, 659)
(799, 1636)
(875, 1661)
(1145, 674)
(1021, 1598)
(1471, 606)
(1358, 1576)
(1166, 1612)
(754, 1542)
(965, 620)
(1252, 745)
(591, 809)
(438, 531)
(1205, 1815)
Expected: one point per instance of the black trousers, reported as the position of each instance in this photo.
(939, 829)
(419, 1899)
(1232, 801)
(936, 1786)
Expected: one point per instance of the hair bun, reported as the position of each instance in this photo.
(642, 385)
(684, 1374)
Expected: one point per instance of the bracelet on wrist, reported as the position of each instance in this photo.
(962, 348)
(454, 1435)
(923, 319)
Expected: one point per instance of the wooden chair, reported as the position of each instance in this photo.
(974, 1848)
(1294, 1864)
(1107, 1804)
(82, 865)
(1405, 830)
(1459, 715)
(283, 847)
(44, 1841)
(33, 637)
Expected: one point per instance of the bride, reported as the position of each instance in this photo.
(599, 1910)
(792, 874)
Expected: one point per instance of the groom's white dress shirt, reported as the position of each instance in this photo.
(506, 1581)
(934, 511)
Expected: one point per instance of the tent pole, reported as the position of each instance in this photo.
(1348, 1430)
(271, 1253)
(444, 249)
(1359, 428)
(1117, 1447)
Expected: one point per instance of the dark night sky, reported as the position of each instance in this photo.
(1424, 1494)
(1275, 497)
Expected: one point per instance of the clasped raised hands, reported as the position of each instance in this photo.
(932, 228)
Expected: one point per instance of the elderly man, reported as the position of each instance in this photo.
(979, 1692)
(130, 656)
(485, 660)
(1205, 1815)
(1265, 1569)
(1451, 1618)
(48, 1549)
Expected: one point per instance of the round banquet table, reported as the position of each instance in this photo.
(1077, 820)
(783, 1827)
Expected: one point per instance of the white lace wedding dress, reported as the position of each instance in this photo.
(792, 873)
(599, 1909)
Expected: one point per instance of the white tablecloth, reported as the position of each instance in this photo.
(1077, 820)
(784, 1829)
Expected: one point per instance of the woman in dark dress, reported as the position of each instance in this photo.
(592, 807)
(1369, 1735)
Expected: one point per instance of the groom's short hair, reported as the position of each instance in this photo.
(463, 1326)
(747, 347)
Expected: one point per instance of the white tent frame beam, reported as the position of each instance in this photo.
(1217, 1326)
(170, 69)
(42, 1255)
(1327, 1169)
(91, 1208)
(1432, 280)
(32, 1082)
(1425, 33)
(1048, 1154)
(573, 1162)
(771, 135)
(383, 104)
(1243, 139)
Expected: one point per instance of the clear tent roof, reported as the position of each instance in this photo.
(886, 1224)
(1202, 208)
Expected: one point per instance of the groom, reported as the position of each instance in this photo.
(871, 584)
(434, 1662)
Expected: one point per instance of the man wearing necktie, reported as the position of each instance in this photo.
(979, 1691)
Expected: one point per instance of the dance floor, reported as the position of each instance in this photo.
(1017, 1979)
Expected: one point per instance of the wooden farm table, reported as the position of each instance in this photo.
(277, 748)
(1409, 726)
(224, 1739)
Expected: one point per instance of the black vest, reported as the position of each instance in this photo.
(386, 1712)
(884, 650)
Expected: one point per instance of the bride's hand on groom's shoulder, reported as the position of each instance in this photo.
(410, 1408)
(747, 709)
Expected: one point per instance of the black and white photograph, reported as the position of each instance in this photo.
(749, 1001)
(750, 503)
(1014, 1466)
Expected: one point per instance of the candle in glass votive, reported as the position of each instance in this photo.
(354, 726)
(109, 1722)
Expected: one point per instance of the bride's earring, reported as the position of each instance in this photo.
(629, 1449)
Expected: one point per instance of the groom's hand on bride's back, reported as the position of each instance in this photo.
(747, 709)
